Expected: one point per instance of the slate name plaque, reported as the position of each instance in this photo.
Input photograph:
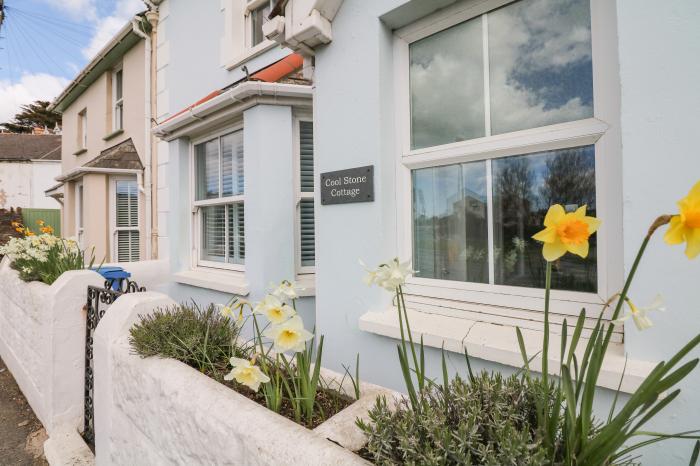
(346, 186)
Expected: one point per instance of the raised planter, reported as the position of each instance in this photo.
(161, 411)
(42, 341)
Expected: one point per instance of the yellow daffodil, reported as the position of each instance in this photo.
(47, 230)
(289, 336)
(685, 227)
(275, 310)
(639, 314)
(246, 373)
(566, 232)
(40, 223)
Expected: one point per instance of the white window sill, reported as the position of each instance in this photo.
(251, 53)
(307, 282)
(498, 343)
(224, 281)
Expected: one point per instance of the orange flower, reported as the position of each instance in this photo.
(40, 222)
(47, 229)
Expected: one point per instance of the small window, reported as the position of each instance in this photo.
(126, 221)
(117, 100)
(305, 197)
(219, 201)
(257, 16)
(79, 230)
(82, 129)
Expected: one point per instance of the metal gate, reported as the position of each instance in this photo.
(98, 300)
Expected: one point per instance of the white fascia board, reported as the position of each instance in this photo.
(80, 171)
(284, 94)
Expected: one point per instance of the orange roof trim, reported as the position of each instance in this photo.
(191, 106)
(280, 69)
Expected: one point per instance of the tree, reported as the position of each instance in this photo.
(32, 115)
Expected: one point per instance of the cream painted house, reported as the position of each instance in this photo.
(105, 178)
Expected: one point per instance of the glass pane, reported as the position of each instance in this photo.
(126, 211)
(213, 233)
(306, 156)
(523, 189)
(307, 233)
(236, 234)
(450, 233)
(207, 169)
(118, 84)
(258, 17)
(540, 64)
(232, 164)
(447, 86)
(127, 245)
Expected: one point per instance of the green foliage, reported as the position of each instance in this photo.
(202, 339)
(31, 115)
(492, 420)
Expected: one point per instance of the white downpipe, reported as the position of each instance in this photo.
(147, 140)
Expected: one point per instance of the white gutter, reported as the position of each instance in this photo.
(236, 95)
(147, 139)
(80, 171)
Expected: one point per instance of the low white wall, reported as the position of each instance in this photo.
(42, 341)
(157, 411)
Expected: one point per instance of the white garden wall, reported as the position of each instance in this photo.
(157, 411)
(42, 341)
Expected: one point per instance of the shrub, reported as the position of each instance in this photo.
(491, 420)
(43, 258)
(203, 339)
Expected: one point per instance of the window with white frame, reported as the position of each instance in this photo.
(305, 197)
(257, 12)
(125, 230)
(499, 122)
(117, 100)
(79, 229)
(82, 129)
(219, 201)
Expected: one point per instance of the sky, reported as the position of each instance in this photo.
(45, 43)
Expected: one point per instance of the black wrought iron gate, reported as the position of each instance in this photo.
(98, 299)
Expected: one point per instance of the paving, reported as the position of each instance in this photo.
(21, 434)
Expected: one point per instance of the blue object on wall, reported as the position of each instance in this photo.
(114, 274)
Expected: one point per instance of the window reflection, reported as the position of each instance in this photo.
(523, 189)
(450, 229)
(540, 64)
(447, 86)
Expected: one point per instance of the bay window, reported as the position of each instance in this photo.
(506, 110)
(219, 201)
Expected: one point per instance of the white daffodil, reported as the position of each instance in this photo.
(286, 290)
(639, 314)
(246, 373)
(274, 309)
(225, 311)
(390, 275)
(289, 336)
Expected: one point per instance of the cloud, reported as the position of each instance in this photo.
(76, 9)
(31, 87)
(106, 27)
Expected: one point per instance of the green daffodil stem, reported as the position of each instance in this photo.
(545, 346)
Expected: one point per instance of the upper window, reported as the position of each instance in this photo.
(499, 126)
(79, 229)
(82, 129)
(525, 65)
(126, 220)
(117, 100)
(258, 11)
(219, 201)
(305, 197)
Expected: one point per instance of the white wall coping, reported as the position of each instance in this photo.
(224, 281)
(498, 343)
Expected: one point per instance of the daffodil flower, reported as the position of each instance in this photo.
(286, 290)
(639, 314)
(685, 227)
(566, 232)
(289, 336)
(388, 276)
(274, 309)
(225, 310)
(246, 373)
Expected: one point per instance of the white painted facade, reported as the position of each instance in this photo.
(22, 184)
